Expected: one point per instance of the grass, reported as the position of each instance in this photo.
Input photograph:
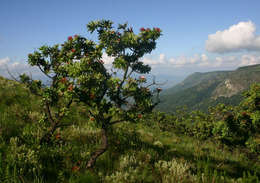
(145, 152)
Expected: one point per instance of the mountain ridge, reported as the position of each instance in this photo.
(200, 90)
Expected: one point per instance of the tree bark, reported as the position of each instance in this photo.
(101, 150)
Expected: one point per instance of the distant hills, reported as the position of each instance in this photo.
(201, 90)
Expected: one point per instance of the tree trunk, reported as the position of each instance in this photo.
(101, 150)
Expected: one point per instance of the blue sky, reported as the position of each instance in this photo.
(185, 47)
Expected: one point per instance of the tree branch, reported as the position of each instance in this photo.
(44, 72)
(117, 121)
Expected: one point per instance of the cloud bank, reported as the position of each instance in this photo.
(236, 38)
(198, 61)
(16, 68)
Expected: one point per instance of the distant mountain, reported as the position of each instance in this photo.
(201, 90)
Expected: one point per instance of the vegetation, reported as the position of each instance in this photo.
(199, 91)
(51, 133)
(78, 75)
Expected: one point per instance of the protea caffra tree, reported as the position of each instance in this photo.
(78, 74)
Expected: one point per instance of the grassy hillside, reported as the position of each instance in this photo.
(185, 147)
(201, 90)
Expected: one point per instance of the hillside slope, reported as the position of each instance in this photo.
(201, 90)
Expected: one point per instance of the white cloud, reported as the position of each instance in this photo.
(4, 61)
(249, 60)
(8, 66)
(107, 59)
(236, 38)
(197, 61)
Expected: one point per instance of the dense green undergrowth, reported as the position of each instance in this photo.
(219, 146)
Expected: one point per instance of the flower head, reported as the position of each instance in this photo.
(75, 168)
(70, 88)
(63, 80)
(159, 89)
(157, 29)
(142, 78)
(70, 38)
(92, 96)
(142, 29)
(57, 136)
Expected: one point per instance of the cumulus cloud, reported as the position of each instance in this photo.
(8, 66)
(107, 59)
(249, 60)
(4, 61)
(236, 38)
(203, 61)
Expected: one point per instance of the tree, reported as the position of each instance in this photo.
(78, 75)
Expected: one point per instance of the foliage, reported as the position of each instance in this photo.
(219, 146)
(199, 91)
(78, 75)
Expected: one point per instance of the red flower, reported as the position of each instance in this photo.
(244, 113)
(139, 116)
(142, 29)
(63, 80)
(159, 89)
(92, 96)
(75, 168)
(142, 78)
(157, 29)
(70, 88)
(70, 38)
(92, 119)
(57, 136)
(73, 50)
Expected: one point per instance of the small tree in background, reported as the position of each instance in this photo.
(78, 75)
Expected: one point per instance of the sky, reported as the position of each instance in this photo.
(198, 36)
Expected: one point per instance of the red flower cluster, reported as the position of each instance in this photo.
(70, 88)
(70, 38)
(92, 96)
(142, 78)
(75, 168)
(63, 80)
(73, 50)
(159, 89)
(57, 136)
(101, 61)
(157, 29)
(142, 29)
(244, 114)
